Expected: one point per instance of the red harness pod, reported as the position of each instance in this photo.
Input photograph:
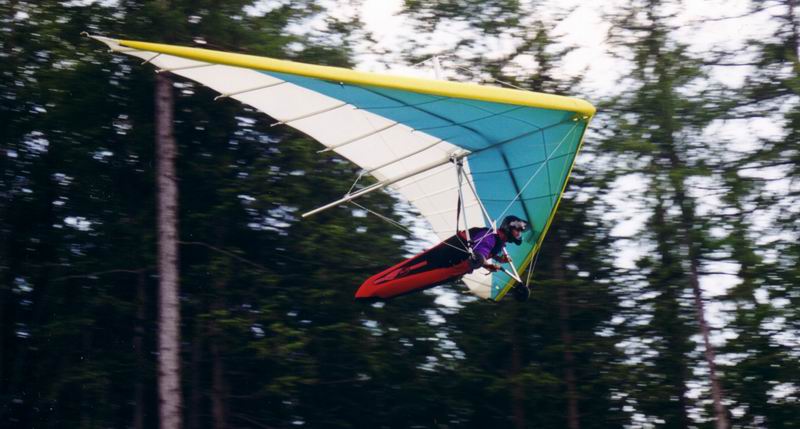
(407, 277)
(440, 264)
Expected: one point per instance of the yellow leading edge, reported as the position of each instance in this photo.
(337, 74)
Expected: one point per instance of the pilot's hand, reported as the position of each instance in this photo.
(492, 267)
(476, 261)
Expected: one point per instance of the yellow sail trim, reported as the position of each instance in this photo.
(337, 74)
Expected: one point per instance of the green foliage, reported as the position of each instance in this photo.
(78, 225)
(270, 330)
(763, 364)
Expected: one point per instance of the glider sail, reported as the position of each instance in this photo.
(517, 147)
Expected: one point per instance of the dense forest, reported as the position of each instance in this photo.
(665, 295)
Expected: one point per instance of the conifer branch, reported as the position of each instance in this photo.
(100, 273)
(228, 253)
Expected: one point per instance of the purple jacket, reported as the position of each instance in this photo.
(487, 243)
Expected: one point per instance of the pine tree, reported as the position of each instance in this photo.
(659, 126)
(761, 360)
(78, 212)
(546, 355)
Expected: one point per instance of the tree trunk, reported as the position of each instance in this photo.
(22, 378)
(218, 390)
(517, 389)
(720, 412)
(687, 217)
(5, 310)
(138, 347)
(687, 225)
(573, 420)
(195, 397)
(218, 385)
(668, 316)
(169, 388)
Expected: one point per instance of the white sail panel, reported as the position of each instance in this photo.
(367, 139)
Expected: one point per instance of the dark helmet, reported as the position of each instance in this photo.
(510, 223)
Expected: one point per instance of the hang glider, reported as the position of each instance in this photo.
(463, 155)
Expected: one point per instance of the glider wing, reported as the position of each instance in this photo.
(519, 146)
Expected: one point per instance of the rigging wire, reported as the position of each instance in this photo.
(538, 170)
(385, 218)
(472, 73)
(399, 225)
(491, 79)
(532, 266)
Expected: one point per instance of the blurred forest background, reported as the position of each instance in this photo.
(666, 294)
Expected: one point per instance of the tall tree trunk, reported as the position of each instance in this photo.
(573, 419)
(88, 403)
(8, 267)
(5, 309)
(517, 389)
(218, 390)
(667, 315)
(22, 375)
(218, 385)
(676, 164)
(138, 346)
(687, 218)
(169, 386)
(195, 397)
(720, 413)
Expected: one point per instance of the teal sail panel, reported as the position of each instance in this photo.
(521, 156)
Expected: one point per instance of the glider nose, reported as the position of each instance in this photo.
(366, 291)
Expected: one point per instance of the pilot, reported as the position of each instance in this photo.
(489, 245)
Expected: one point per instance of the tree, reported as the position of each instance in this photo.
(547, 353)
(78, 200)
(661, 127)
(759, 193)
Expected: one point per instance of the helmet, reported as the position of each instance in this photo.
(511, 223)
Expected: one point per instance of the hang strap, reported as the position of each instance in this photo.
(460, 206)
